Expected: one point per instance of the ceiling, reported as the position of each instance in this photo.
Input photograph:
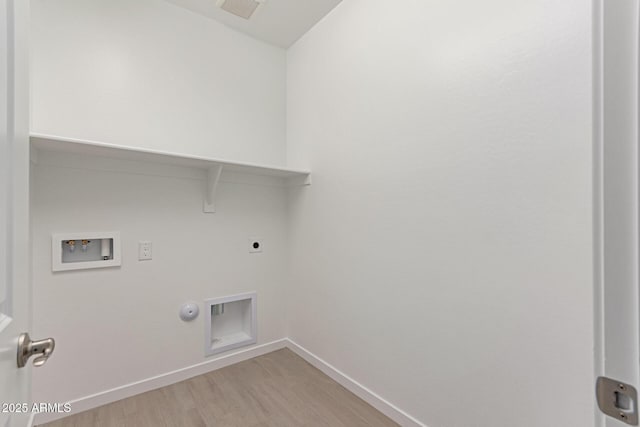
(279, 22)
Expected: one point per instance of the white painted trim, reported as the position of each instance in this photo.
(373, 399)
(109, 396)
(122, 392)
(615, 196)
(19, 419)
(598, 198)
(5, 321)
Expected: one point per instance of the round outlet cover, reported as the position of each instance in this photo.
(189, 311)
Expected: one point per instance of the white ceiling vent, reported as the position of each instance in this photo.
(241, 8)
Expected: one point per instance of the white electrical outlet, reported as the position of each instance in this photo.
(144, 250)
(255, 245)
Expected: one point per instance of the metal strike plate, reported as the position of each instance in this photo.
(618, 400)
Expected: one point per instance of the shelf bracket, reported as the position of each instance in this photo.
(213, 178)
(299, 181)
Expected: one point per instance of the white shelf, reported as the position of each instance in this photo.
(214, 167)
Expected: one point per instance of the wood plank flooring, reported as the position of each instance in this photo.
(278, 389)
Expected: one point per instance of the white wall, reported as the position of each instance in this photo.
(150, 74)
(442, 256)
(116, 326)
(153, 75)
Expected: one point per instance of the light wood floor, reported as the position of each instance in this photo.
(277, 389)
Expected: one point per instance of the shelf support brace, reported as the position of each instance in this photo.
(213, 178)
(299, 181)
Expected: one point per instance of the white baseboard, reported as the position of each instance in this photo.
(118, 393)
(122, 392)
(373, 399)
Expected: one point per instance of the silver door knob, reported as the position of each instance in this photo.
(28, 348)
